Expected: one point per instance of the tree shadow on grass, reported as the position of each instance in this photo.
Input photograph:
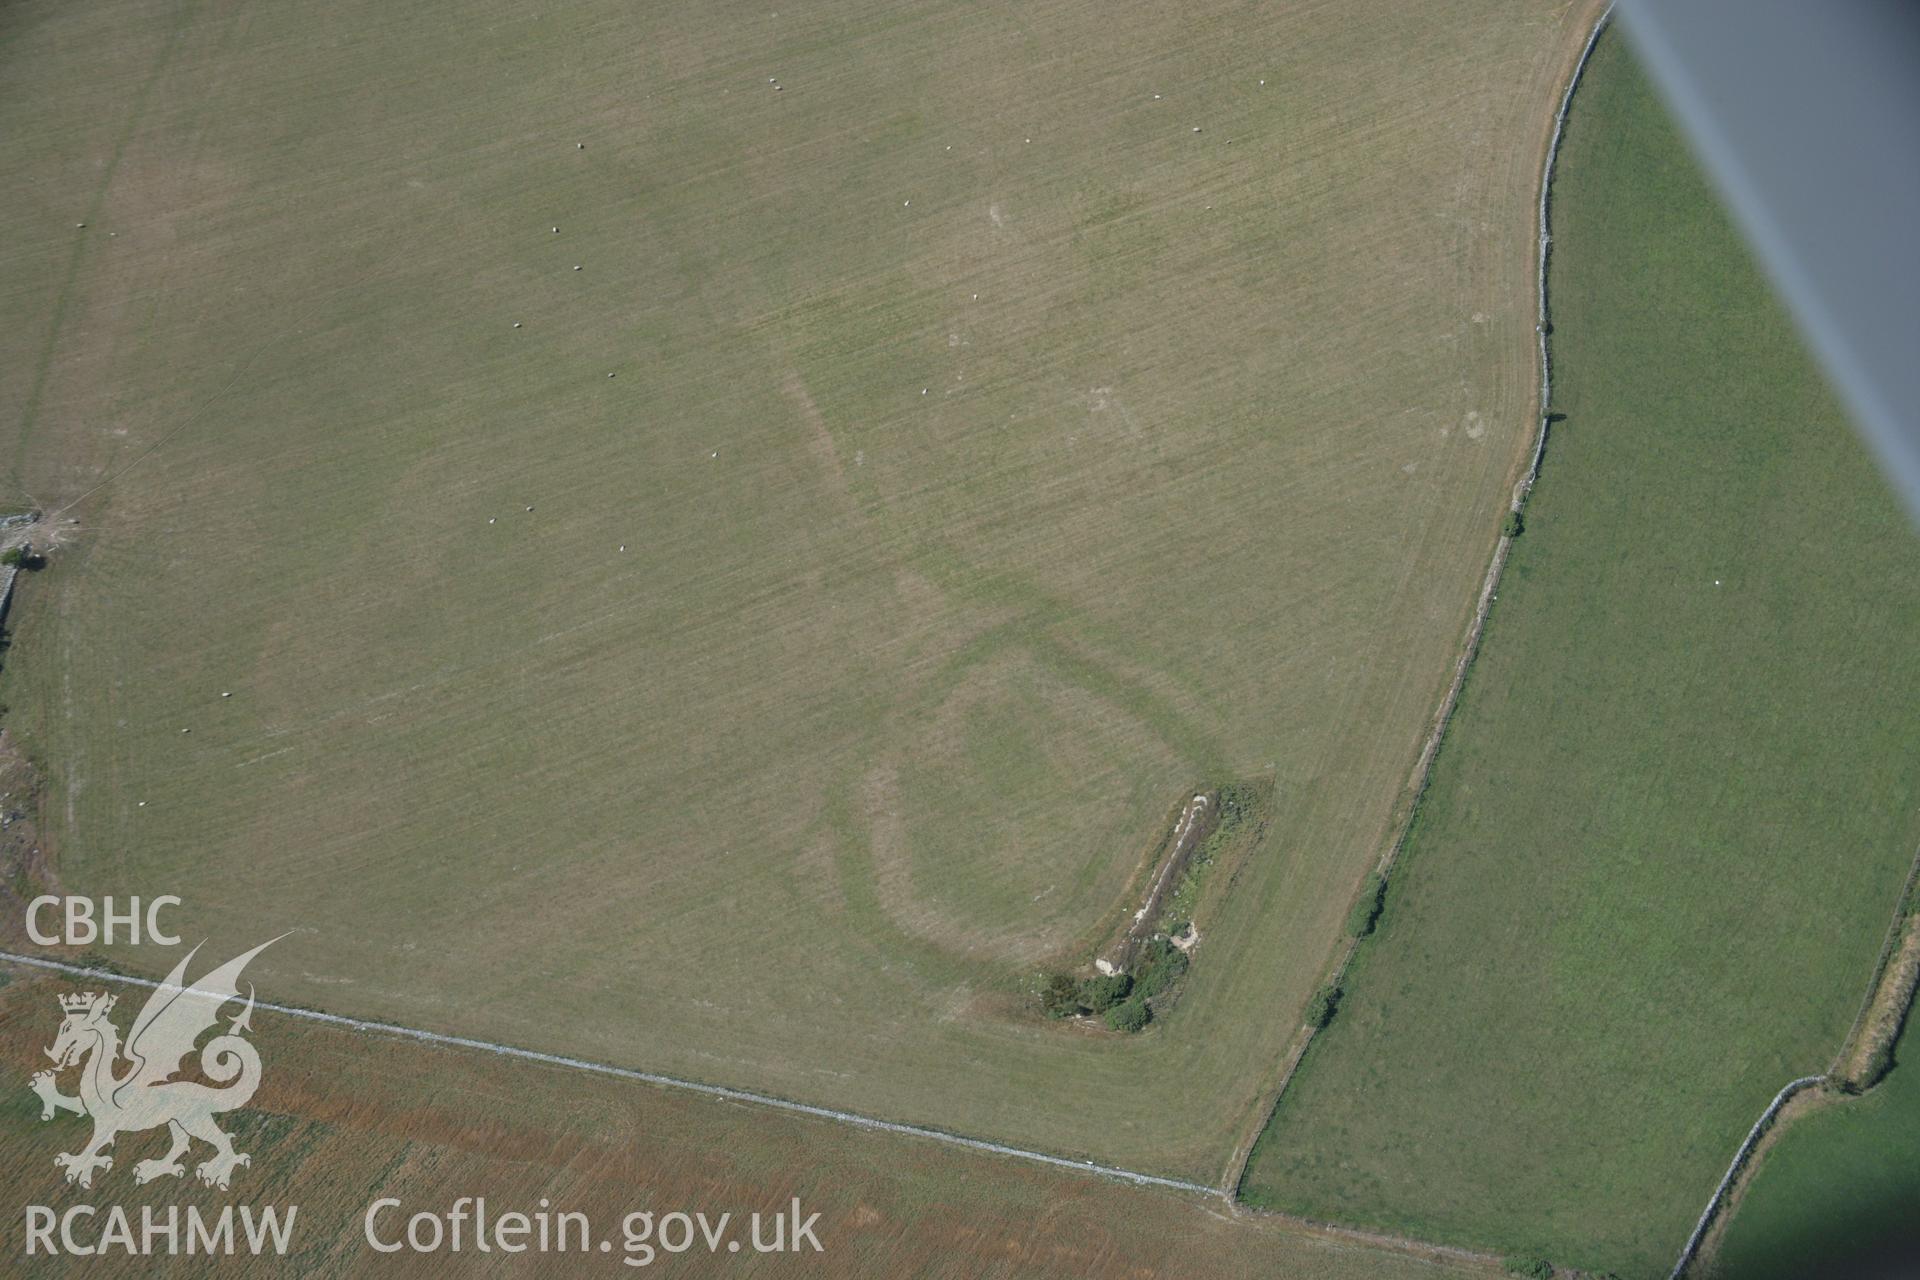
(1875, 1239)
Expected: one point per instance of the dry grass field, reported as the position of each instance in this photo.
(751, 654)
(344, 1119)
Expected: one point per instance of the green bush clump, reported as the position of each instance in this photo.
(1060, 996)
(1513, 526)
(1366, 912)
(1160, 964)
(1103, 991)
(1325, 1003)
(1237, 800)
(1121, 998)
(1531, 1268)
(1064, 996)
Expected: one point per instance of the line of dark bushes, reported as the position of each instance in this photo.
(1122, 1000)
(1366, 912)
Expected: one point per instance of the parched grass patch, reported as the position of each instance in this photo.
(990, 455)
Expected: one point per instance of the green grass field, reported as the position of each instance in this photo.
(1835, 1194)
(1668, 826)
(1021, 418)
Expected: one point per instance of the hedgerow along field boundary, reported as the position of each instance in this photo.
(1373, 891)
(1679, 757)
(914, 454)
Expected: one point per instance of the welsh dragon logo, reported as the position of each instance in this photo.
(144, 1094)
